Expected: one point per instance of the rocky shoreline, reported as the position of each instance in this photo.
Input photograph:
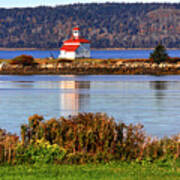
(95, 67)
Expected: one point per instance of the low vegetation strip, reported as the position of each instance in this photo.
(84, 138)
(90, 66)
(108, 171)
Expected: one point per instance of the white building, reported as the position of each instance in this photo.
(75, 47)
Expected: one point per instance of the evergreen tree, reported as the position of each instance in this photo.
(159, 54)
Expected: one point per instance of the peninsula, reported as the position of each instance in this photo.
(92, 67)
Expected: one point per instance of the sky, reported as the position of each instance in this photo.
(33, 3)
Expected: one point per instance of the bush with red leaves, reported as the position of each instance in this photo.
(24, 60)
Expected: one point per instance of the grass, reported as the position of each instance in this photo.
(5, 60)
(110, 171)
(86, 60)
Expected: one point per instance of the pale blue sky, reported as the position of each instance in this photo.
(32, 3)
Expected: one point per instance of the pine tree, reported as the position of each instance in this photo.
(159, 54)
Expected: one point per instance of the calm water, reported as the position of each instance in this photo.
(126, 54)
(151, 100)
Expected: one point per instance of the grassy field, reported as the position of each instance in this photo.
(90, 172)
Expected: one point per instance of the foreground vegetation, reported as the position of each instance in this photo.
(87, 146)
(108, 171)
(85, 138)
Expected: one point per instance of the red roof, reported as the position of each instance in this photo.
(69, 48)
(77, 41)
(76, 29)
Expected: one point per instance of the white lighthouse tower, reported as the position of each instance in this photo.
(75, 32)
(75, 47)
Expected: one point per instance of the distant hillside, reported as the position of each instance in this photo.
(109, 25)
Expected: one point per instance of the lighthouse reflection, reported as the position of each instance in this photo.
(74, 97)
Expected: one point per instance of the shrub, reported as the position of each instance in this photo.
(65, 60)
(159, 54)
(24, 60)
(90, 137)
(8, 143)
(82, 134)
(84, 138)
(40, 151)
(173, 60)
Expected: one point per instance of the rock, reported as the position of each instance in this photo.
(15, 66)
(119, 63)
(162, 65)
(154, 65)
(59, 65)
(42, 65)
(50, 66)
(147, 65)
(169, 65)
(177, 66)
(2, 65)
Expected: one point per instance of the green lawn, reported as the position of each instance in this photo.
(91, 171)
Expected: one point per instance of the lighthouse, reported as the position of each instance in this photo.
(75, 47)
(76, 32)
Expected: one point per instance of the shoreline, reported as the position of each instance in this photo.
(95, 49)
(93, 67)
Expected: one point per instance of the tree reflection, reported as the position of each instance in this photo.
(23, 84)
(159, 86)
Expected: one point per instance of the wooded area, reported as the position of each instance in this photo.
(108, 25)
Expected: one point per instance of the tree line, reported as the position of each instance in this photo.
(108, 25)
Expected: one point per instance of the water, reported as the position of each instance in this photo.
(125, 54)
(150, 100)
